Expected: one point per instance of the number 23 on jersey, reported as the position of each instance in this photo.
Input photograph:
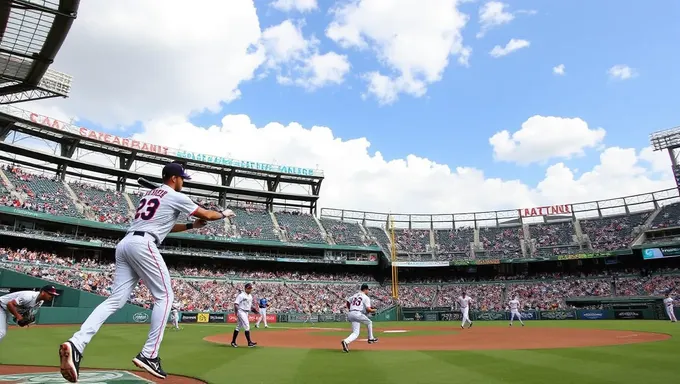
(147, 208)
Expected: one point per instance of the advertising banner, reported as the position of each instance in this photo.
(488, 316)
(327, 317)
(529, 315)
(557, 315)
(188, 317)
(217, 318)
(591, 315)
(628, 315)
(413, 316)
(450, 316)
(431, 316)
(203, 317)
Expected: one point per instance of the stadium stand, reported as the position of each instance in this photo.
(501, 241)
(344, 232)
(299, 227)
(254, 223)
(455, 242)
(107, 206)
(41, 193)
(554, 238)
(668, 217)
(613, 232)
(412, 240)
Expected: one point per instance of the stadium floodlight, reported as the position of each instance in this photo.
(666, 139)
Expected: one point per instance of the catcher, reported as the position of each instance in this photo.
(23, 305)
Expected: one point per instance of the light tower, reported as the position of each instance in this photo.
(669, 139)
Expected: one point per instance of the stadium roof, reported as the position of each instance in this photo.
(31, 34)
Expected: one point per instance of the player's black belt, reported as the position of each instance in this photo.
(143, 234)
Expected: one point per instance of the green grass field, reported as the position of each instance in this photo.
(186, 353)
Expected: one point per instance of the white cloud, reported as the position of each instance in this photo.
(493, 14)
(298, 61)
(512, 46)
(543, 138)
(295, 5)
(559, 70)
(413, 42)
(155, 61)
(621, 72)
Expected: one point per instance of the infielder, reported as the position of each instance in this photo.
(514, 310)
(464, 303)
(243, 304)
(137, 257)
(174, 317)
(308, 316)
(359, 305)
(263, 312)
(668, 303)
(22, 304)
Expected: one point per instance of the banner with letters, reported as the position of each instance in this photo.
(557, 315)
(528, 315)
(488, 316)
(252, 317)
(188, 317)
(301, 317)
(202, 317)
(628, 315)
(450, 316)
(413, 316)
(217, 318)
(591, 314)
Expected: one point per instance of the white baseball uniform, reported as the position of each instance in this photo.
(245, 303)
(137, 257)
(174, 316)
(514, 311)
(26, 301)
(668, 303)
(464, 303)
(358, 308)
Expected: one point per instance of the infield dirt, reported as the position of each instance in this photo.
(482, 338)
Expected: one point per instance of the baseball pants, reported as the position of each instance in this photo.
(512, 316)
(242, 322)
(3, 323)
(136, 257)
(263, 316)
(358, 318)
(671, 313)
(466, 316)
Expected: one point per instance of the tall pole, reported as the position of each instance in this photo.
(395, 273)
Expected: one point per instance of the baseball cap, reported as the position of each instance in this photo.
(50, 289)
(248, 285)
(174, 169)
(364, 286)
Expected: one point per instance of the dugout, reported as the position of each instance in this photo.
(625, 308)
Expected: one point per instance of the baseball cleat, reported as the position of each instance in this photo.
(266, 326)
(70, 361)
(251, 344)
(470, 325)
(234, 345)
(153, 366)
(462, 327)
(345, 347)
(373, 340)
(257, 326)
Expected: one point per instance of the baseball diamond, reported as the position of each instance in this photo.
(331, 192)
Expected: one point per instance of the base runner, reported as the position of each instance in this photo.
(668, 303)
(243, 304)
(359, 305)
(263, 312)
(137, 257)
(23, 305)
(464, 303)
(514, 310)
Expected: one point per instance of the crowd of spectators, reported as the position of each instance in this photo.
(613, 232)
(454, 240)
(300, 227)
(106, 205)
(412, 240)
(41, 193)
(668, 217)
(501, 241)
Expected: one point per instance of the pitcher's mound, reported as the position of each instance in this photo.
(25, 374)
(442, 338)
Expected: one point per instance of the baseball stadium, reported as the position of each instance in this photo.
(591, 277)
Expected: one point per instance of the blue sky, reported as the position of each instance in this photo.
(451, 123)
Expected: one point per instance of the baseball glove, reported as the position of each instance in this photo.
(255, 310)
(26, 319)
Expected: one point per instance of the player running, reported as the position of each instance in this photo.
(242, 305)
(464, 303)
(668, 303)
(263, 312)
(137, 257)
(359, 305)
(23, 303)
(514, 310)
(174, 317)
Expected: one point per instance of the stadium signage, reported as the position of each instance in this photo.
(560, 209)
(167, 151)
(421, 263)
(100, 136)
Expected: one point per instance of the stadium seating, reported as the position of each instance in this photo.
(501, 241)
(344, 232)
(669, 216)
(42, 194)
(253, 223)
(454, 241)
(381, 238)
(412, 240)
(107, 206)
(554, 238)
(613, 232)
(300, 227)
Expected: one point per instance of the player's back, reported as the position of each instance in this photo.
(158, 211)
(24, 299)
(359, 302)
(668, 301)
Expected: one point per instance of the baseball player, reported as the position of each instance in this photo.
(22, 304)
(263, 312)
(514, 310)
(464, 303)
(243, 304)
(174, 317)
(359, 305)
(308, 315)
(668, 303)
(137, 257)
